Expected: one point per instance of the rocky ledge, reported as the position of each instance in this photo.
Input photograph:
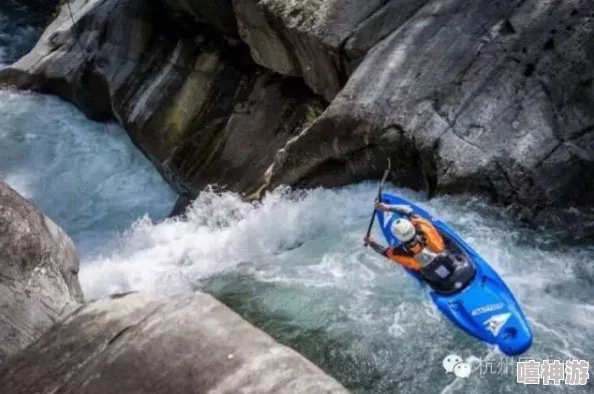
(481, 96)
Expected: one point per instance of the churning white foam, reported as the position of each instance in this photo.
(313, 240)
(222, 231)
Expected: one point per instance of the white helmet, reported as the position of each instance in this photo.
(403, 230)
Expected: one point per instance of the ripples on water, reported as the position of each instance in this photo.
(21, 23)
(293, 265)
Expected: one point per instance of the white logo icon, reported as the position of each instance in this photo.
(450, 362)
(496, 322)
(454, 363)
(462, 370)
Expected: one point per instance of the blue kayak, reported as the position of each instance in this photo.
(479, 303)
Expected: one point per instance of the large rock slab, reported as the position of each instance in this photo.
(468, 96)
(302, 38)
(138, 343)
(489, 97)
(38, 273)
(187, 98)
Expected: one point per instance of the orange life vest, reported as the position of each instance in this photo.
(430, 239)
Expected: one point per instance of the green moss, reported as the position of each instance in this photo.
(311, 114)
(191, 99)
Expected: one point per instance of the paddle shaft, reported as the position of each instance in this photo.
(379, 196)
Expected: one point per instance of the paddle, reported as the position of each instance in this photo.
(379, 196)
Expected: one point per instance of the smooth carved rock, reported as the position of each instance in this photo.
(481, 96)
(181, 98)
(137, 343)
(488, 96)
(302, 37)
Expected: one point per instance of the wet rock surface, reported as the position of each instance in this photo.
(136, 343)
(488, 97)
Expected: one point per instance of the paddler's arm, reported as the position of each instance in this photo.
(398, 208)
(375, 246)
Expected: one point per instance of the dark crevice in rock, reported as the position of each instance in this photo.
(341, 47)
(542, 160)
(120, 334)
(429, 171)
(457, 134)
(529, 70)
(512, 189)
(492, 189)
(507, 28)
(334, 172)
(185, 15)
(121, 295)
(580, 133)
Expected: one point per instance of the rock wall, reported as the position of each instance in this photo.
(188, 100)
(487, 96)
(137, 343)
(466, 96)
(38, 273)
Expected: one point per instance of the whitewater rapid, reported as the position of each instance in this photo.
(20, 26)
(294, 265)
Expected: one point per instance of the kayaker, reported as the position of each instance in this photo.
(421, 249)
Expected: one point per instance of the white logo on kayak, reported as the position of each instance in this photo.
(496, 322)
(487, 308)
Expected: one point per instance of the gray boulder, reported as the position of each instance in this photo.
(187, 101)
(486, 96)
(467, 96)
(137, 343)
(38, 273)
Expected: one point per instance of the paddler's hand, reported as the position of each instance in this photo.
(403, 209)
(367, 241)
(380, 206)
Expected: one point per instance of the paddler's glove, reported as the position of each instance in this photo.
(403, 209)
(399, 208)
(380, 206)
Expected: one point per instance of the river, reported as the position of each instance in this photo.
(294, 264)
